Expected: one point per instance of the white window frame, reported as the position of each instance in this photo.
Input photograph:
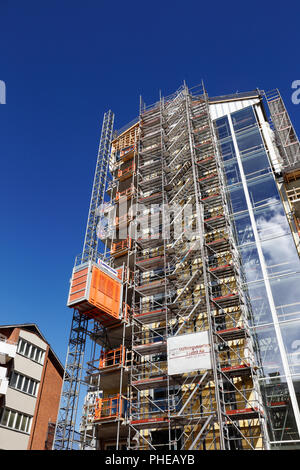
(40, 353)
(22, 416)
(21, 377)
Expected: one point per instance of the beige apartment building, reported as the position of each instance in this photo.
(30, 383)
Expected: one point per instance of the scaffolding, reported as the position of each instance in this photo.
(66, 437)
(289, 148)
(168, 234)
(187, 284)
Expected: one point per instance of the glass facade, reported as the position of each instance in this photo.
(271, 265)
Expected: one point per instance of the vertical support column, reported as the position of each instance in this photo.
(64, 438)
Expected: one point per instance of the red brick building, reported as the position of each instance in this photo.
(31, 377)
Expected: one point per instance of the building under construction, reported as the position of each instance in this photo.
(186, 299)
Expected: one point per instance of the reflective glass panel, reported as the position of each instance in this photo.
(227, 149)
(269, 354)
(223, 129)
(12, 418)
(291, 338)
(260, 305)
(286, 292)
(23, 423)
(243, 228)
(238, 200)
(244, 118)
(13, 379)
(280, 415)
(255, 164)
(249, 141)
(281, 256)
(271, 221)
(232, 172)
(263, 190)
(5, 416)
(251, 263)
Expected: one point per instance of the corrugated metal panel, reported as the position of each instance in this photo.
(221, 109)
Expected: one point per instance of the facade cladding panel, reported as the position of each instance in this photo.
(273, 278)
(12, 440)
(20, 402)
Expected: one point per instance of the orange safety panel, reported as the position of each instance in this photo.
(78, 284)
(105, 293)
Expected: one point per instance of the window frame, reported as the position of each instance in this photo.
(15, 416)
(27, 346)
(20, 380)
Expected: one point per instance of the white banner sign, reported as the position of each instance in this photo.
(107, 267)
(188, 352)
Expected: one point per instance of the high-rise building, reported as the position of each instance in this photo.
(192, 304)
(30, 384)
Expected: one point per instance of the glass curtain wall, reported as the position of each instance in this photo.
(272, 269)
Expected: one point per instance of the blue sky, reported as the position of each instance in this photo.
(64, 64)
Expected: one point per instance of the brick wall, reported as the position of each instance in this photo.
(47, 404)
(12, 334)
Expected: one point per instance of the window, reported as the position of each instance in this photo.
(238, 200)
(4, 417)
(251, 263)
(223, 128)
(290, 334)
(260, 307)
(21, 346)
(33, 352)
(269, 353)
(249, 141)
(280, 419)
(160, 399)
(271, 221)
(286, 293)
(19, 381)
(243, 119)
(243, 228)
(256, 164)
(113, 446)
(232, 172)
(15, 420)
(281, 256)
(29, 350)
(227, 149)
(13, 380)
(263, 190)
(11, 419)
(24, 384)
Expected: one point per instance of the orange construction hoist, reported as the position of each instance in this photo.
(96, 291)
